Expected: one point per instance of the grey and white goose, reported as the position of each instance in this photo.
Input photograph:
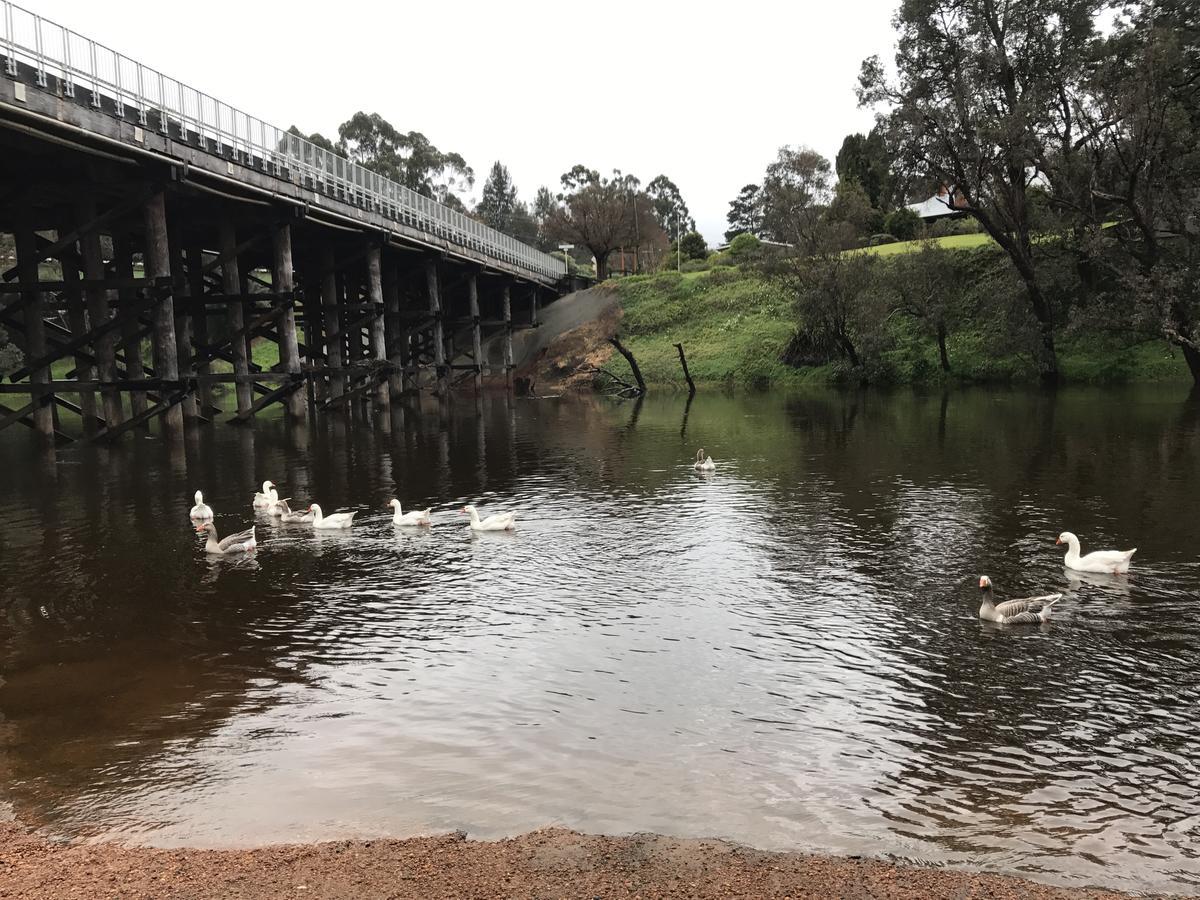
(1026, 611)
(242, 542)
(286, 516)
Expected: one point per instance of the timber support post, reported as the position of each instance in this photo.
(284, 282)
(395, 334)
(77, 322)
(184, 303)
(99, 313)
(331, 315)
(195, 275)
(476, 338)
(231, 284)
(376, 323)
(508, 333)
(131, 332)
(156, 260)
(439, 340)
(28, 261)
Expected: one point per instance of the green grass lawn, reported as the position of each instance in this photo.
(949, 242)
(735, 327)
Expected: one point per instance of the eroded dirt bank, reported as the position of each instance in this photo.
(548, 863)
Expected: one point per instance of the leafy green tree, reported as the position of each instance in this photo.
(851, 214)
(315, 138)
(693, 246)
(744, 246)
(983, 91)
(498, 202)
(596, 212)
(1145, 115)
(902, 224)
(795, 192)
(408, 158)
(864, 159)
(929, 287)
(840, 307)
(745, 212)
(670, 211)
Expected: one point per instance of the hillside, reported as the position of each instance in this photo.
(735, 327)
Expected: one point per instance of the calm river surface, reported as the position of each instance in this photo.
(786, 653)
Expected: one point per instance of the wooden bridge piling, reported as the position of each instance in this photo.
(379, 352)
(231, 285)
(99, 310)
(476, 337)
(283, 278)
(28, 264)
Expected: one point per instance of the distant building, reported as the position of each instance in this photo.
(941, 206)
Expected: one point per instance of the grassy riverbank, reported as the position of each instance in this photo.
(735, 327)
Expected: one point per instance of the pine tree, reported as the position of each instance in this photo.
(499, 200)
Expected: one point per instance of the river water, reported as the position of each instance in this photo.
(786, 653)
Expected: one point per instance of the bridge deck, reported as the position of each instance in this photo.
(68, 83)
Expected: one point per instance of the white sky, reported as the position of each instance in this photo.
(705, 96)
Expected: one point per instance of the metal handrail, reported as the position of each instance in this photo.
(54, 50)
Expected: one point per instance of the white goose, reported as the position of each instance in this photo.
(412, 517)
(279, 507)
(201, 512)
(704, 462)
(1108, 562)
(334, 520)
(1027, 611)
(242, 542)
(266, 498)
(497, 522)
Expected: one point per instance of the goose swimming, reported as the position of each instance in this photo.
(333, 520)
(412, 517)
(267, 496)
(201, 512)
(1027, 611)
(284, 514)
(242, 542)
(704, 462)
(497, 522)
(1107, 562)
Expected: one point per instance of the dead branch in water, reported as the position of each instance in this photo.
(686, 374)
(623, 387)
(637, 372)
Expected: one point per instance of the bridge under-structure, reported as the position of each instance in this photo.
(163, 239)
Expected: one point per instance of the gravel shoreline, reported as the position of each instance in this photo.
(542, 864)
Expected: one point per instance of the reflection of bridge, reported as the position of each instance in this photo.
(181, 220)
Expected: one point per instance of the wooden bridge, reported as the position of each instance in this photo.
(144, 212)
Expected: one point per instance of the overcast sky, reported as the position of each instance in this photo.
(703, 95)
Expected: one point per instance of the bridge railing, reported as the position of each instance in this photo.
(53, 50)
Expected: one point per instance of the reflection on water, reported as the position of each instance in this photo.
(785, 653)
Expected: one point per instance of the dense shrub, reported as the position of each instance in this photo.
(877, 239)
(694, 265)
(693, 246)
(902, 224)
(743, 246)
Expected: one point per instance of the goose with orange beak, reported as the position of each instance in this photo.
(1103, 562)
(1027, 611)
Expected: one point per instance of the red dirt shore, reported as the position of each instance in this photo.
(543, 864)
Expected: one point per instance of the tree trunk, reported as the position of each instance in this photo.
(1192, 355)
(633, 366)
(849, 351)
(686, 374)
(602, 266)
(941, 342)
